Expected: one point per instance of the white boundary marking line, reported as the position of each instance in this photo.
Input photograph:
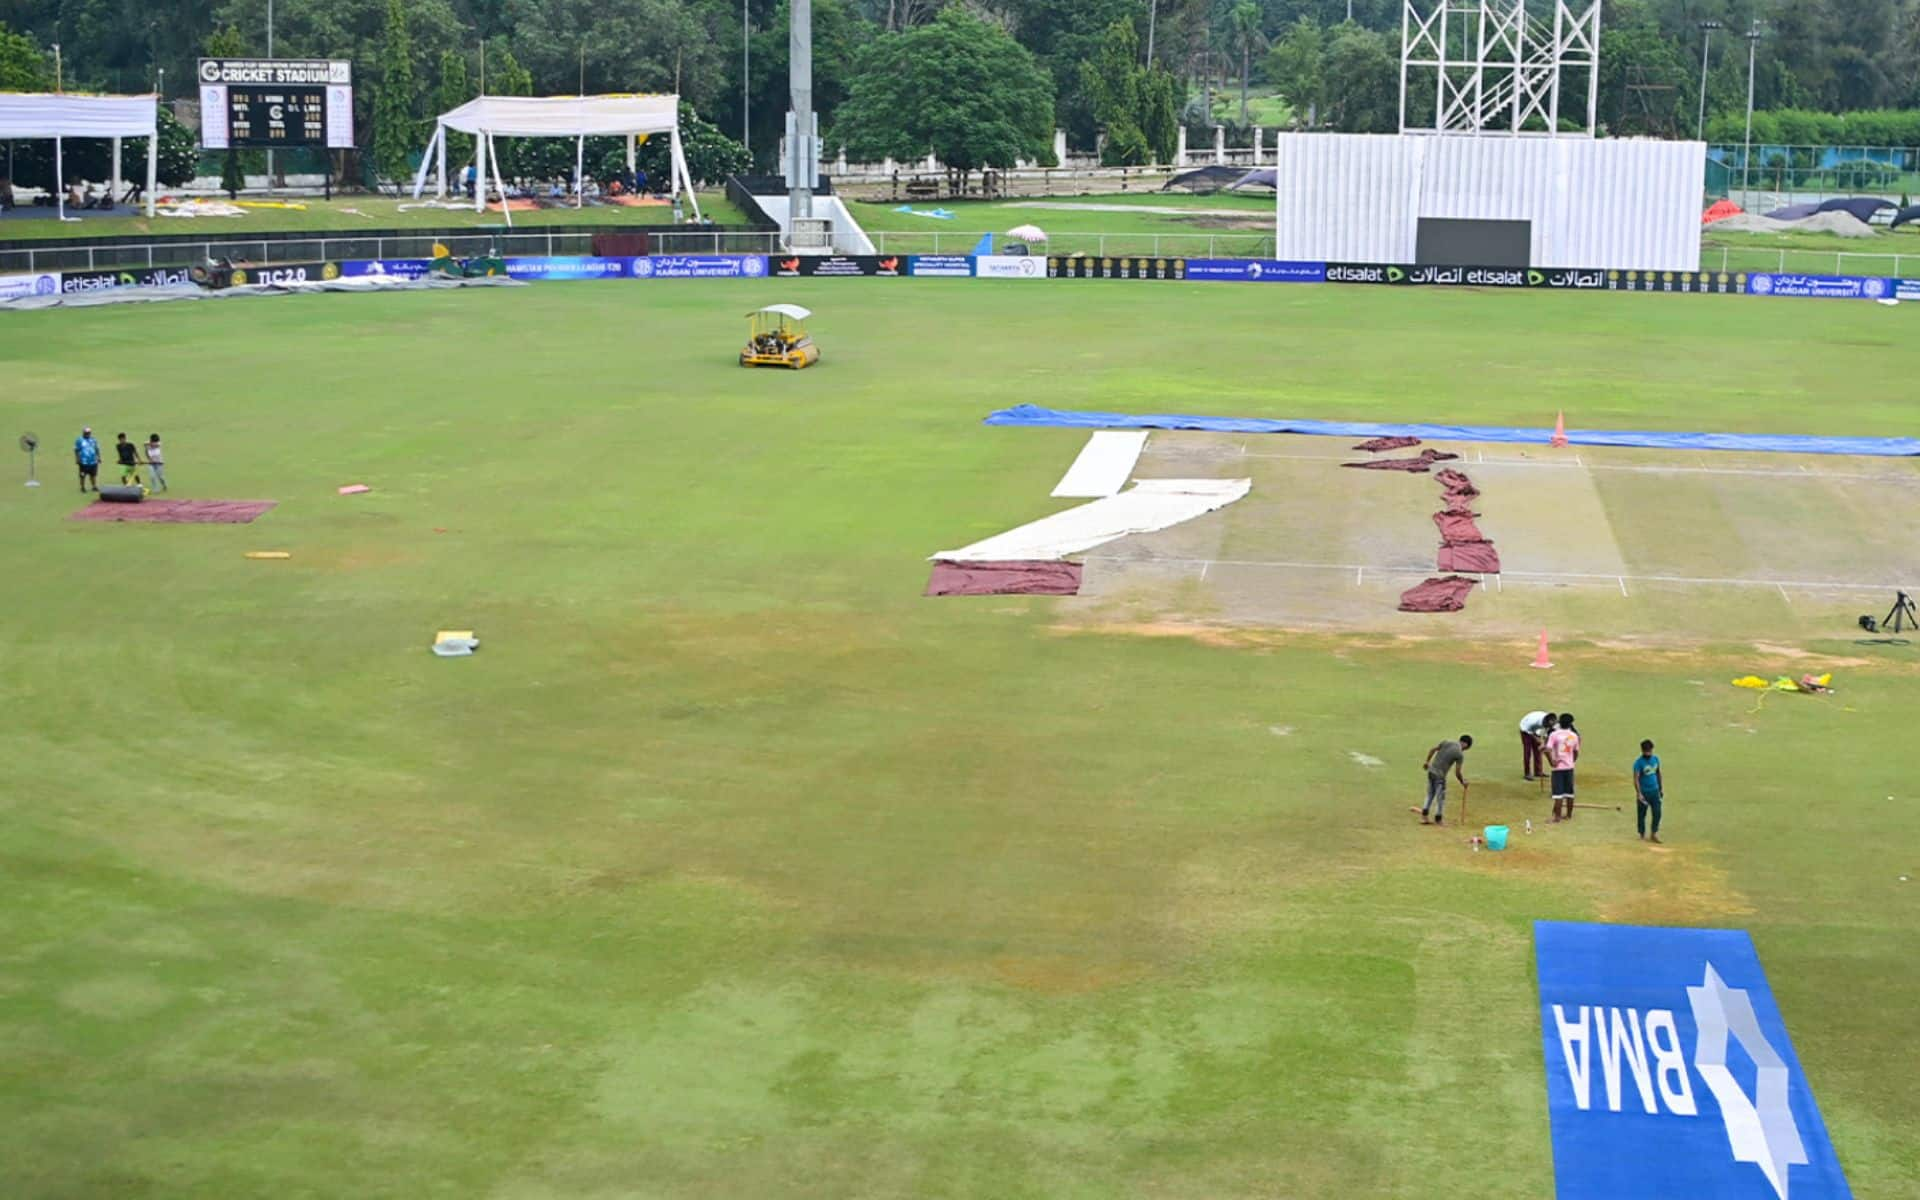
(1784, 596)
(1516, 576)
(1623, 584)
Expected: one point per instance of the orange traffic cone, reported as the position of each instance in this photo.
(1540, 659)
(1560, 429)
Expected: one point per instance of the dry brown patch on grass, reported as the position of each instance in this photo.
(1060, 976)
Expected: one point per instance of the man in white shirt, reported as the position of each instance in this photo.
(1535, 727)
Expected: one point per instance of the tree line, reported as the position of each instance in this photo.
(977, 82)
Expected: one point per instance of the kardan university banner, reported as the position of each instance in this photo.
(1669, 1070)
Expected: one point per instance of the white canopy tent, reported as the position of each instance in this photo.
(39, 115)
(577, 117)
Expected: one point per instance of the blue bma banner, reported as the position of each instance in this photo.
(1824, 287)
(1255, 270)
(1669, 1071)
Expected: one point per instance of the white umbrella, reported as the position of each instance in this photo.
(1027, 233)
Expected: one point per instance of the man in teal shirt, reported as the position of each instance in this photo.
(86, 456)
(1648, 790)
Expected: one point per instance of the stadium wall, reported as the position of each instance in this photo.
(1606, 203)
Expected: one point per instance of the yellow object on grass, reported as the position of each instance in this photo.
(1807, 683)
(290, 205)
(268, 554)
(452, 635)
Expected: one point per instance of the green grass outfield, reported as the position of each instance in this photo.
(732, 867)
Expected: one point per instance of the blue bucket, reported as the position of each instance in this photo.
(1496, 837)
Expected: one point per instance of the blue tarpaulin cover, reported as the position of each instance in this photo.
(1033, 415)
(1863, 207)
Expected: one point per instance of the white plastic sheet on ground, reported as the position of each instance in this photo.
(1104, 465)
(1149, 505)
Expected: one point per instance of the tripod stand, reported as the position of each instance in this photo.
(1901, 617)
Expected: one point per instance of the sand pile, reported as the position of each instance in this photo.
(1844, 224)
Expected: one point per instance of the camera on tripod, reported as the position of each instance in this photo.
(1899, 619)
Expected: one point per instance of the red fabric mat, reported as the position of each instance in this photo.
(1015, 578)
(1453, 483)
(1437, 595)
(1417, 466)
(1456, 528)
(1461, 505)
(177, 512)
(1387, 443)
(1479, 558)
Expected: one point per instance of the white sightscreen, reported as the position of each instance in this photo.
(1619, 204)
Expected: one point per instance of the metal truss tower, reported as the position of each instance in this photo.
(1490, 67)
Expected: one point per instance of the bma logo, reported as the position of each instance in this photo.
(642, 268)
(46, 285)
(1762, 285)
(1873, 289)
(753, 267)
(1668, 1040)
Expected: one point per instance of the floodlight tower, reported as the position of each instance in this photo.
(803, 154)
(1492, 68)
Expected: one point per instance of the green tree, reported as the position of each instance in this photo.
(1243, 25)
(1297, 65)
(1365, 94)
(1160, 116)
(838, 34)
(179, 156)
(591, 46)
(227, 43)
(958, 87)
(394, 127)
(506, 77)
(1131, 104)
(449, 93)
(23, 68)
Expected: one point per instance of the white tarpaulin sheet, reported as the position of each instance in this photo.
(41, 115)
(1104, 466)
(1149, 505)
(1613, 203)
(564, 116)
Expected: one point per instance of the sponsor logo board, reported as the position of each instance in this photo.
(40, 283)
(947, 265)
(1906, 289)
(1009, 266)
(843, 265)
(402, 268)
(293, 273)
(1669, 1069)
(1557, 278)
(1124, 266)
(567, 268)
(73, 283)
(699, 266)
(1822, 287)
(1255, 270)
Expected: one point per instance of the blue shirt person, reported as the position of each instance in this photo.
(1649, 790)
(86, 456)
